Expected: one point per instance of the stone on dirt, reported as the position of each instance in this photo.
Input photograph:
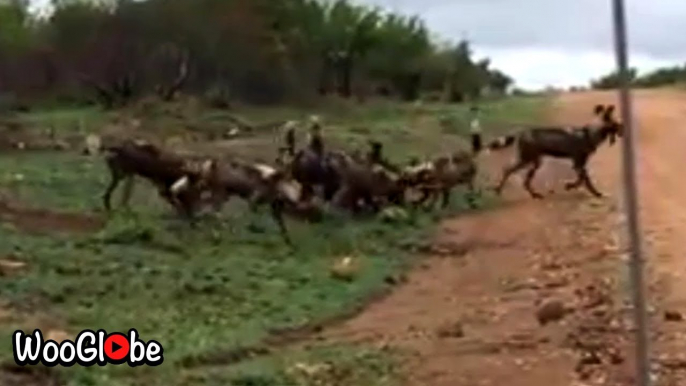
(345, 269)
(57, 335)
(9, 266)
(451, 330)
(394, 215)
(395, 279)
(93, 144)
(551, 311)
(673, 316)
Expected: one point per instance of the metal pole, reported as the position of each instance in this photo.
(631, 198)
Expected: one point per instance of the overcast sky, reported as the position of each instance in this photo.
(555, 42)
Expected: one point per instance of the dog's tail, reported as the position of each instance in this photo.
(502, 142)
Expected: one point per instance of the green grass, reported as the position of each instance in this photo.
(77, 119)
(227, 285)
(319, 365)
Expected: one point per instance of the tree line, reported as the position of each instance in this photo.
(665, 76)
(254, 51)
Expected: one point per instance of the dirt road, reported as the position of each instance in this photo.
(662, 120)
(472, 319)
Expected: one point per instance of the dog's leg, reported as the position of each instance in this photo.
(471, 194)
(277, 207)
(127, 192)
(433, 197)
(425, 196)
(589, 184)
(579, 165)
(508, 172)
(330, 190)
(576, 183)
(172, 199)
(116, 175)
(254, 200)
(345, 199)
(307, 192)
(529, 178)
(187, 204)
(218, 200)
(371, 202)
(446, 198)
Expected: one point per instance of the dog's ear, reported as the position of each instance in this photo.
(598, 109)
(619, 130)
(608, 115)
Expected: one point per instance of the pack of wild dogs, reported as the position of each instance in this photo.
(303, 182)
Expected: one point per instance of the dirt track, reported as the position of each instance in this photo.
(471, 320)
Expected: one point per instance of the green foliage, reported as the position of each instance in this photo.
(288, 50)
(663, 77)
(320, 365)
(15, 31)
(612, 80)
(660, 77)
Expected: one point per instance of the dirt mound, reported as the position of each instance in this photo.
(40, 221)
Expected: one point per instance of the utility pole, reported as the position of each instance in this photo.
(631, 196)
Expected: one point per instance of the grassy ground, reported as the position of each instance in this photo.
(227, 286)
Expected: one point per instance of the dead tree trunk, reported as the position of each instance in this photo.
(167, 93)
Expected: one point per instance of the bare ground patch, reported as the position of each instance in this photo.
(41, 221)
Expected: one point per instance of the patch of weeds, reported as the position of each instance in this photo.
(314, 366)
(64, 121)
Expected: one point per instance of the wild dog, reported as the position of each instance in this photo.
(364, 184)
(258, 184)
(312, 167)
(577, 144)
(287, 152)
(132, 158)
(440, 176)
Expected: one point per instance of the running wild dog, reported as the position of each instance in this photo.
(364, 184)
(258, 184)
(440, 176)
(577, 144)
(132, 158)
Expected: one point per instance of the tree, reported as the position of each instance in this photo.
(259, 51)
(612, 80)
